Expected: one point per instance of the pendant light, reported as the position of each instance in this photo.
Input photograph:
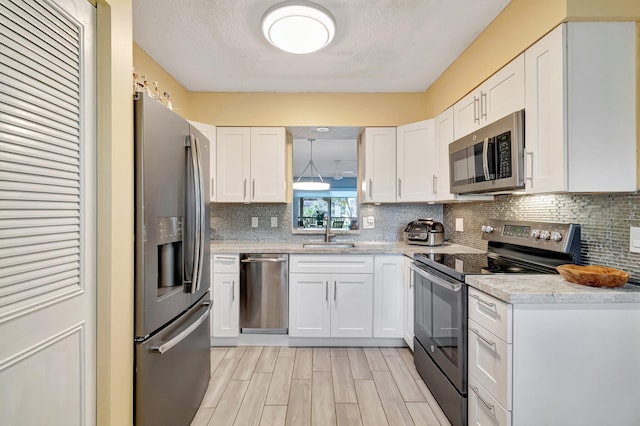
(311, 185)
(298, 26)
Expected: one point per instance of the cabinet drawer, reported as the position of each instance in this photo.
(342, 264)
(484, 410)
(491, 313)
(225, 263)
(490, 362)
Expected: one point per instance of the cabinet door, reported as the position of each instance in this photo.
(408, 303)
(233, 164)
(484, 410)
(209, 132)
(225, 316)
(379, 146)
(268, 182)
(416, 162)
(352, 305)
(444, 136)
(503, 93)
(545, 155)
(388, 298)
(309, 305)
(466, 114)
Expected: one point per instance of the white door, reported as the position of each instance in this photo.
(503, 93)
(309, 307)
(48, 214)
(388, 298)
(379, 145)
(351, 305)
(268, 181)
(226, 305)
(416, 161)
(233, 163)
(467, 114)
(444, 136)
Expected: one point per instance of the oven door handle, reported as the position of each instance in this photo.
(436, 280)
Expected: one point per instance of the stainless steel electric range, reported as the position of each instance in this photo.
(440, 347)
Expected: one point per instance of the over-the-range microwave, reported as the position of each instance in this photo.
(489, 160)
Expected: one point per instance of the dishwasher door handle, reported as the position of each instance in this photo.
(260, 260)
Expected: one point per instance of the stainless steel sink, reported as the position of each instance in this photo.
(335, 245)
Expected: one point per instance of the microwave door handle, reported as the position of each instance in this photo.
(485, 159)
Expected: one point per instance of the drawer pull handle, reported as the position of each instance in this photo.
(484, 302)
(491, 407)
(488, 342)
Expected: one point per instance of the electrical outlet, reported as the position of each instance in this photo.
(274, 222)
(634, 239)
(254, 222)
(459, 224)
(368, 222)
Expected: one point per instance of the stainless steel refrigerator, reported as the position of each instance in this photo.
(172, 299)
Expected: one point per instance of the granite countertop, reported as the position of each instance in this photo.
(361, 247)
(548, 289)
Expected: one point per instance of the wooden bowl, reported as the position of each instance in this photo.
(593, 275)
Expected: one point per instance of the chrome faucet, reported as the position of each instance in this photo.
(327, 235)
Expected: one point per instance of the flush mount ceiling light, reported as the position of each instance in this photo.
(311, 185)
(298, 26)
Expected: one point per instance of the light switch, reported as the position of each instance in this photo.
(459, 224)
(274, 222)
(254, 222)
(634, 239)
(368, 222)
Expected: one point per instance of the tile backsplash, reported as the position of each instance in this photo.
(604, 219)
(232, 222)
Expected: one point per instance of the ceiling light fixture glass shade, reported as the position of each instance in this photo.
(311, 185)
(298, 26)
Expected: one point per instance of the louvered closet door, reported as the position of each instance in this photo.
(47, 212)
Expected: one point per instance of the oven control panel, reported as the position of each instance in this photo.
(550, 236)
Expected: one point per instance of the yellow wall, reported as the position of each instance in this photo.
(145, 65)
(115, 214)
(585, 10)
(306, 109)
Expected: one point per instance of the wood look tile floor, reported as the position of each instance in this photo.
(271, 386)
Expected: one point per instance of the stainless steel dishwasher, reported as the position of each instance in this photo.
(264, 293)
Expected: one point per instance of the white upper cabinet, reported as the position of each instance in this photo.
(379, 153)
(268, 178)
(250, 164)
(209, 132)
(580, 131)
(416, 162)
(502, 94)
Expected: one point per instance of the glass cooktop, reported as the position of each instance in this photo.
(459, 265)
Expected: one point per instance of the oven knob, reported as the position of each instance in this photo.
(433, 349)
(545, 235)
(556, 236)
(487, 229)
(535, 234)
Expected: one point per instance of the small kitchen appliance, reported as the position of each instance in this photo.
(489, 160)
(440, 345)
(426, 232)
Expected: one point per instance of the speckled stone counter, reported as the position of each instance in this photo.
(544, 289)
(365, 247)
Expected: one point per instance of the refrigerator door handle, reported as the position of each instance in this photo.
(184, 333)
(200, 233)
(194, 211)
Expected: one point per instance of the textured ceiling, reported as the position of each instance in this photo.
(380, 45)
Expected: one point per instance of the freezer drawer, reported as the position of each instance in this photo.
(172, 369)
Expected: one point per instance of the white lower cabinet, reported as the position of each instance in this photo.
(553, 363)
(326, 301)
(408, 302)
(388, 300)
(225, 283)
(484, 410)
